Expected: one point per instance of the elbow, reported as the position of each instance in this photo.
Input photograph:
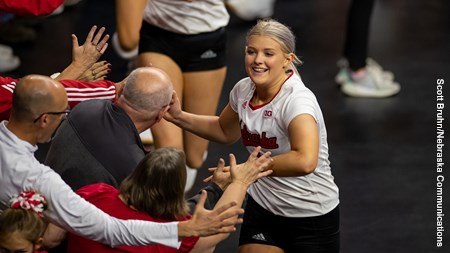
(309, 167)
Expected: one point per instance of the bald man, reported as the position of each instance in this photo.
(39, 105)
(99, 141)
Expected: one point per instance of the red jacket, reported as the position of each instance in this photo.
(77, 91)
(30, 7)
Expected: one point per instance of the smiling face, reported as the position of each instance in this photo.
(265, 61)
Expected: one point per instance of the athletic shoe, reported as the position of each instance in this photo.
(344, 74)
(9, 64)
(250, 10)
(371, 85)
(5, 51)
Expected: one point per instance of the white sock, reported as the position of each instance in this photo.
(191, 175)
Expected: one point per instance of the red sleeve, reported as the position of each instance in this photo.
(7, 86)
(78, 91)
(30, 7)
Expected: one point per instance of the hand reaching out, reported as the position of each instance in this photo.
(89, 53)
(205, 222)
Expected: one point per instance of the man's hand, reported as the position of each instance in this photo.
(206, 223)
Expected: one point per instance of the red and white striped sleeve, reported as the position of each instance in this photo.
(7, 86)
(78, 91)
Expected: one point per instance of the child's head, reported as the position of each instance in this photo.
(279, 33)
(22, 225)
(157, 184)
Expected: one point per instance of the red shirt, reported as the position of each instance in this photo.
(77, 91)
(106, 198)
(30, 7)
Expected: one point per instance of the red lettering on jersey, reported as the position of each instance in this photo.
(250, 139)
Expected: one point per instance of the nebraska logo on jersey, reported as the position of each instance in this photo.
(250, 139)
(267, 113)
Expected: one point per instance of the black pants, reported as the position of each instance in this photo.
(357, 36)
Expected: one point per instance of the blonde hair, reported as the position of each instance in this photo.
(280, 33)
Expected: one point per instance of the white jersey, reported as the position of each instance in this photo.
(183, 17)
(267, 126)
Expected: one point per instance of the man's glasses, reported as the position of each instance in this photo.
(66, 112)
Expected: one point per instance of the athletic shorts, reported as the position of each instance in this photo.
(293, 235)
(197, 52)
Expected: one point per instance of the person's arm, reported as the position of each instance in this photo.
(78, 91)
(303, 156)
(129, 19)
(84, 56)
(242, 176)
(214, 192)
(72, 213)
(222, 129)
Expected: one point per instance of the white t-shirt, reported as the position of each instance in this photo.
(183, 17)
(267, 126)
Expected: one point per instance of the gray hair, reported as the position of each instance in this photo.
(147, 89)
(277, 31)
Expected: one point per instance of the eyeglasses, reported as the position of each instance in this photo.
(66, 112)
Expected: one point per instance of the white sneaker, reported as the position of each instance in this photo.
(344, 74)
(191, 175)
(251, 9)
(9, 63)
(5, 51)
(371, 85)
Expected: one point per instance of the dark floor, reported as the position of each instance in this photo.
(383, 151)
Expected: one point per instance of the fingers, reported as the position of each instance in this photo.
(201, 202)
(220, 165)
(208, 179)
(96, 40)
(232, 161)
(100, 70)
(264, 174)
(97, 36)
(74, 41)
(90, 35)
(254, 153)
(221, 211)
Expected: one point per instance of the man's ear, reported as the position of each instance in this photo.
(161, 113)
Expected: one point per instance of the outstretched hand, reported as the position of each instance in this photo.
(205, 222)
(97, 72)
(253, 169)
(89, 53)
(247, 173)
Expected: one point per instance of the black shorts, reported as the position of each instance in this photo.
(198, 52)
(306, 235)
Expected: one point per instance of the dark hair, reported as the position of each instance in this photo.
(157, 184)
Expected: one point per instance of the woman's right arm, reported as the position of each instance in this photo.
(223, 129)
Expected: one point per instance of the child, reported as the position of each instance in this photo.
(296, 208)
(22, 226)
